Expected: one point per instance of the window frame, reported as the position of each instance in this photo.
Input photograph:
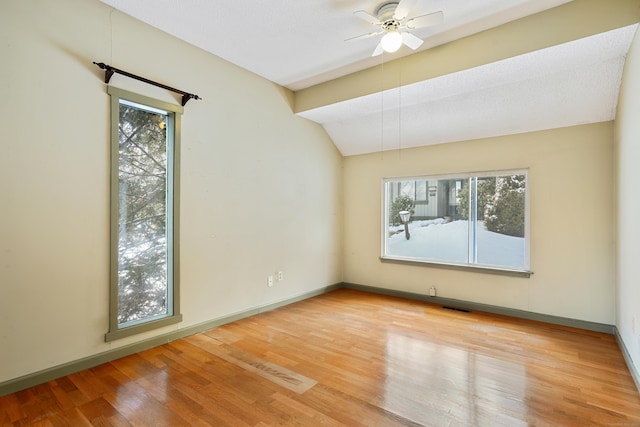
(525, 271)
(116, 330)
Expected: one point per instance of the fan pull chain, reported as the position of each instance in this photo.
(400, 115)
(382, 108)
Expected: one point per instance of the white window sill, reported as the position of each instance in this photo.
(463, 267)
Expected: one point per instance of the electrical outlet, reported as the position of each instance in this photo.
(432, 291)
(280, 276)
(270, 281)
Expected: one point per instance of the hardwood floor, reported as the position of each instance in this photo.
(356, 359)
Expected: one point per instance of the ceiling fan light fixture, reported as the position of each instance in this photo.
(391, 41)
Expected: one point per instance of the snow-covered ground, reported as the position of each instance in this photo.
(449, 241)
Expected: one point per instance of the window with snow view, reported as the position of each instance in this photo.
(478, 220)
(144, 176)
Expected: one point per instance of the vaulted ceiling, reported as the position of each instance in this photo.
(492, 67)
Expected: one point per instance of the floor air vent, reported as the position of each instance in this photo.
(463, 310)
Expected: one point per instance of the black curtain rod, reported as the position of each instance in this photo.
(109, 71)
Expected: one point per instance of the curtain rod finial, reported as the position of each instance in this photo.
(108, 70)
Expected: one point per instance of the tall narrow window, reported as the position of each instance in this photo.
(144, 214)
(478, 220)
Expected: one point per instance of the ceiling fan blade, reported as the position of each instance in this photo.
(403, 9)
(363, 36)
(425, 20)
(410, 40)
(378, 50)
(366, 17)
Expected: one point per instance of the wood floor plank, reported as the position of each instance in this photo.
(257, 365)
(350, 358)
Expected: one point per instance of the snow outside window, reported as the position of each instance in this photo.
(478, 220)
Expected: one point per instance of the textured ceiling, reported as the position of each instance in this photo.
(565, 85)
(298, 44)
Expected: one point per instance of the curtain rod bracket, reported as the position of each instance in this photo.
(109, 71)
(107, 75)
(186, 97)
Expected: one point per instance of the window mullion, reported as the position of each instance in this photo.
(474, 220)
(470, 215)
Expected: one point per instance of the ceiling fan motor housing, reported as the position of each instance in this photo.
(390, 25)
(385, 13)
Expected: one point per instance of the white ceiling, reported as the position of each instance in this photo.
(566, 85)
(298, 44)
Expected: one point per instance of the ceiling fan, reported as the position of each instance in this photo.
(394, 21)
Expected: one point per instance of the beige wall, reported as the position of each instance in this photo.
(570, 181)
(261, 188)
(627, 137)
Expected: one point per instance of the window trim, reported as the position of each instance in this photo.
(511, 271)
(116, 331)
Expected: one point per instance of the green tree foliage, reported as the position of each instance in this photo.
(401, 203)
(462, 210)
(486, 191)
(505, 215)
(500, 204)
(142, 245)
